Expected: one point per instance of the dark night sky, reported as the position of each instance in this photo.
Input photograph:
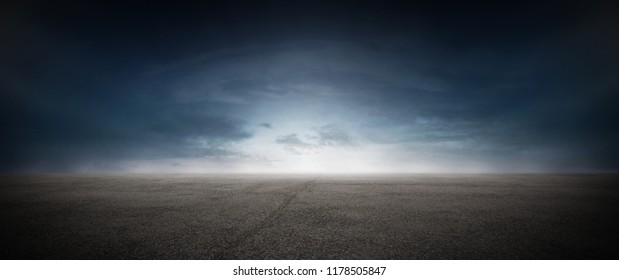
(309, 86)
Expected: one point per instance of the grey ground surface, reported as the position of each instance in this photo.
(309, 217)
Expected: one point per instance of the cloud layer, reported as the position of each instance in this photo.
(338, 87)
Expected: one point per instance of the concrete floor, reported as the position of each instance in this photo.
(60, 216)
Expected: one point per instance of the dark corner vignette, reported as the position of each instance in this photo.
(301, 130)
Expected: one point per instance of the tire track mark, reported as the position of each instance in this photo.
(265, 223)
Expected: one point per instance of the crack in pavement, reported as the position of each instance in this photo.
(266, 222)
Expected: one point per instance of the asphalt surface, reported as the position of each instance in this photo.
(59, 216)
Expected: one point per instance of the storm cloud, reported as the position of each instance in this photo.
(355, 86)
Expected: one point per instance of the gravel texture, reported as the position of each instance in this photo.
(173, 216)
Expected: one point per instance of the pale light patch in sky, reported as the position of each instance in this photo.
(305, 151)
